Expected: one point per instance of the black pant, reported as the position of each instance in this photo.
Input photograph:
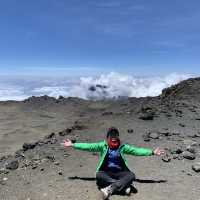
(119, 180)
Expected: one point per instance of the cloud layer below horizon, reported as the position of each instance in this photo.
(105, 86)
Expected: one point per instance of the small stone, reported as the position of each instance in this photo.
(12, 165)
(27, 146)
(154, 135)
(180, 157)
(164, 132)
(196, 167)
(34, 166)
(4, 171)
(66, 155)
(146, 116)
(65, 132)
(51, 135)
(191, 149)
(19, 154)
(188, 155)
(107, 113)
(5, 179)
(146, 137)
(53, 141)
(179, 150)
(56, 163)
(130, 130)
(51, 157)
(181, 125)
(60, 173)
(166, 158)
(175, 156)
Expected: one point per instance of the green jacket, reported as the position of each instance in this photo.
(102, 148)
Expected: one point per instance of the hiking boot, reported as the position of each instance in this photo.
(128, 191)
(106, 192)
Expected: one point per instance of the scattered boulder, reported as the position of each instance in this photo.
(107, 113)
(51, 135)
(4, 171)
(61, 97)
(191, 149)
(12, 165)
(51, 157)
(147, 113)
(65, 132)
(34, 165)
(166, 158)
(78, 126)
(164, 132)
(19, 154)
(146, 137)
(177, 150)
(188, 155)
(181, 125)
(196, 167)
(56, 163)
(154, 135)
(146, 116)
(27, 146)
(60, 173)
(130, 130)
(53, 140)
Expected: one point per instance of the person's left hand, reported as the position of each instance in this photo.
(158, 152)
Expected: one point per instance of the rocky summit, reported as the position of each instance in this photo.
(34, 165)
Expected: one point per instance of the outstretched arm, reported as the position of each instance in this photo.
(138, 151)
(94, 147)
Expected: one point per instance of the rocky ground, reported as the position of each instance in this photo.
(34, 166)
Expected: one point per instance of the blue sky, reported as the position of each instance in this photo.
(95, 36)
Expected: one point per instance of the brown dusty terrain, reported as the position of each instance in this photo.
(43, 169)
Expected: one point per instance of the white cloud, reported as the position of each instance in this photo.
(111, 85)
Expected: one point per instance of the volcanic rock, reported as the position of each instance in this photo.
(65, 132)
(196, 167)
(146, 116)
(166, 158)
(154, 135)
(27, 146)
(51, 135)
(188, 155)
(146, 137)
(4, 171)
(12, 165)
(191, 149)
(130, 130)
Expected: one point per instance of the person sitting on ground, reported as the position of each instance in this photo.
(113, 174)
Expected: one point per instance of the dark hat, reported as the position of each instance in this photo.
(112, 132)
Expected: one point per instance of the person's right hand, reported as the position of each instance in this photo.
(67, 143)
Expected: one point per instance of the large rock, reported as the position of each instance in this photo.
(51, 135)
(191, 149)
(154, 135)
(146, 116)
(188, 155)
(166, 158)
(12, 165)
(146, 137)
(196, 167)
(27, 146)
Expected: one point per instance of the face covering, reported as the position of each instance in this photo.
(113, 144)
